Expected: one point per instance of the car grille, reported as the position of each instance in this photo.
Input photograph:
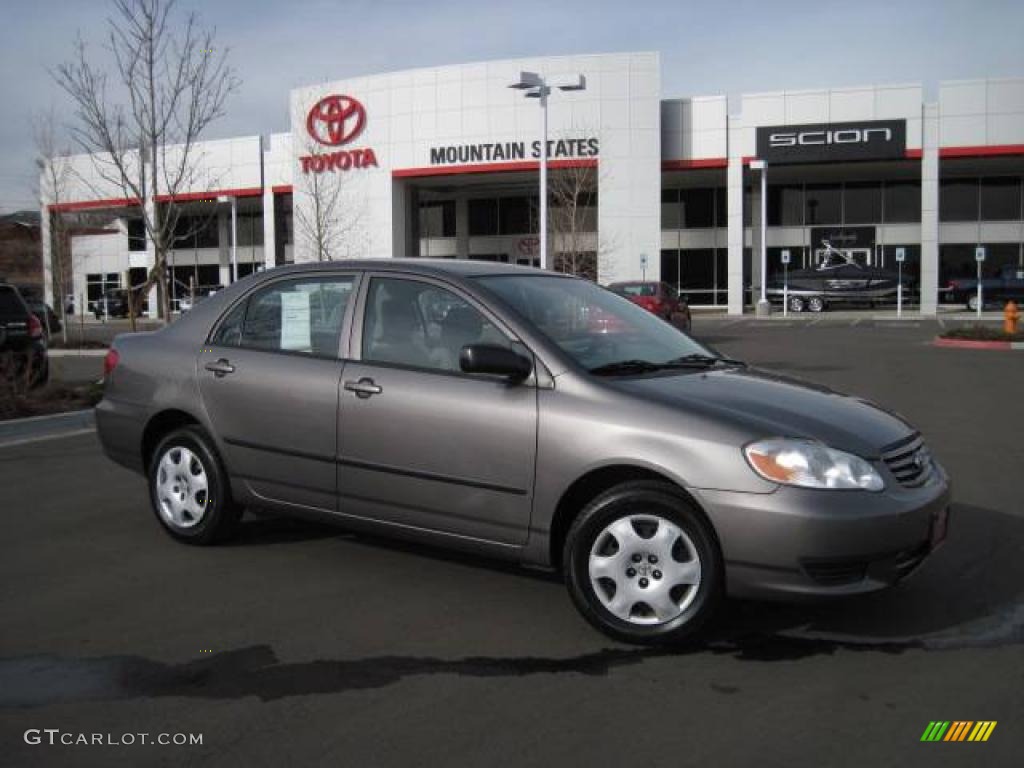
(909, 461)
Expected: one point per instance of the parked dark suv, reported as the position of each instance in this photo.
(33, 296)
(22, 334)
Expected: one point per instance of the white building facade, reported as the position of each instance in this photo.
(443, 162)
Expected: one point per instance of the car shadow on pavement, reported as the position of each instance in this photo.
(968, 595)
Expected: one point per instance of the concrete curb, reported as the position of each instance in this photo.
(77, 352)
(32, 428)
(1005, 346)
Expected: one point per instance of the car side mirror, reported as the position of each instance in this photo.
(495, 360)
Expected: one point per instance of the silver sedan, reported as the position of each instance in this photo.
(523, 415)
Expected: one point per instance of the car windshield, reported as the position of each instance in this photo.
(600, 330)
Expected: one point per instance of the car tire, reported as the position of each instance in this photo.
(816, 304)
(972, 303)
(189, 489)
(797, 304)
(673, 560)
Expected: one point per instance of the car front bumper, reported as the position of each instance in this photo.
(797, 542)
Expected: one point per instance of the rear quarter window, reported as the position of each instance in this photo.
(11, 304)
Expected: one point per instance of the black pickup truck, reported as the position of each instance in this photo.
(994, 290)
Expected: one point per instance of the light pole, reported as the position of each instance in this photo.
(537, 87)
(763, 308)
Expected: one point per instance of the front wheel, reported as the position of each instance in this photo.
(643, 565)
(796, 304)
(972, 303)
(189, 489)
(816, 304)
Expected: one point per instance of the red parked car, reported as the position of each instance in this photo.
(660, 299)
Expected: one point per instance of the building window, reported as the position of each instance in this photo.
(698, 208)
(136, 234)
(98, 283)
(671, 213)
(699, 274)
(902, 202)
(1000, 199)
(862, 203)
(250, 229)
(483, 216)
(957, 260)
(824, 204)
(958, 200)
(437, 219)
(199, 231)
(721, 207)
(515, 216)
(785, 206)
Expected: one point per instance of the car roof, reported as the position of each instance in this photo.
(435, 267)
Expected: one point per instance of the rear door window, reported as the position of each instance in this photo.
(297, 316)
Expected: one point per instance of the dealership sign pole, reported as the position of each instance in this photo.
(979, 257)
(901, 254)
(537, 87)
(785, 282)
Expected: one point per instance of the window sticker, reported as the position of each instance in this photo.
(295, 330)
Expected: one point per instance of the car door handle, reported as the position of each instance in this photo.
(220, 368)
(363, 388)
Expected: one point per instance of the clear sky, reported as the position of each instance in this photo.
(728, 46)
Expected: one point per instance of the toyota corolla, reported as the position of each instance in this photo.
(525, 415)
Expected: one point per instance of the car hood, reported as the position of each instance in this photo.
(772, 405)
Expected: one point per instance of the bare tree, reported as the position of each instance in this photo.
(55, 174)
(572, 225)
(175, 82)
(328, 213)
(573, 192)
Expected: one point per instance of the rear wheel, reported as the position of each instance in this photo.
(816, 304)
(972, 303)
(796, 304)
(642, 564)
(189, 489)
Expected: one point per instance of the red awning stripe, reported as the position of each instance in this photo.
(510, 167)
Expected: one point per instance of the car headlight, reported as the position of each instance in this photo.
(808, 464)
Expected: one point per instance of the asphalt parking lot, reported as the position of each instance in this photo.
(302, 645)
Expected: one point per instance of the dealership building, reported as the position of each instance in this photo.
(444, 162)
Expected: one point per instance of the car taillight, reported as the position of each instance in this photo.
(35, 328)
(110, 362)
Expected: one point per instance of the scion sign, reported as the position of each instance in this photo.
(832, 142)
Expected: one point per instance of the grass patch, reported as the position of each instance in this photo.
(982, 333)
(50, 399)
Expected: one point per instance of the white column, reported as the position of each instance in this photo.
(930, 210)
(224, 244)
(269, 241)
(734, 238)
(46, 235)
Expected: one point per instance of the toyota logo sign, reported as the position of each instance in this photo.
(336, 120)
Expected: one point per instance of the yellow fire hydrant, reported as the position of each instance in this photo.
(1011, 316)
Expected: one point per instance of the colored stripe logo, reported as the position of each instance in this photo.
(958, 730)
